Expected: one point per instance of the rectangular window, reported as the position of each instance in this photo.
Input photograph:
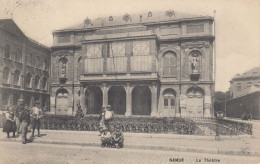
(117, 49)
(195, 28)
(239, 88)
(94, 51)
(140, 48)
(63, 39)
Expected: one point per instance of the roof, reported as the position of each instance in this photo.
(10, 26)
(131, 19)
(254, 72)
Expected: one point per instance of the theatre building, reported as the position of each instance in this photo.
(153, 64)
(24, 68)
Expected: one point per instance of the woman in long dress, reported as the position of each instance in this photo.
(9, 125)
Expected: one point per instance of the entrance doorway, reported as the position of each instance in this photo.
(195, 101)
(62, 102)
(141, 100)
(117, 99)
(94, 100)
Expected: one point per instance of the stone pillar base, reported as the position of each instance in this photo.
(128, 113)
(207, 113)
(154, 114)
(183, 112)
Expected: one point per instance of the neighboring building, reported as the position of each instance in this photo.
(155, 64)
(246, 83)
(24, 68)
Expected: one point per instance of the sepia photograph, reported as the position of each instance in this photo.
(129, 81)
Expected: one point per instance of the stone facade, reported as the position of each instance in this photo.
(24, 68)
(246, 83)
(157, 64)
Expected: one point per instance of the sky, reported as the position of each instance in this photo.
(237, 24)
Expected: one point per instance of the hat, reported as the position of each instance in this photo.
(37, 102)
(108, 106)
(26, 107)
(20, 100)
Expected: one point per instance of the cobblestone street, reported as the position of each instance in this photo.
(15, 152)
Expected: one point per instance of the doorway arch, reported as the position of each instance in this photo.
(141, 100)
(117, 99)
(93, 100)
(62, 102)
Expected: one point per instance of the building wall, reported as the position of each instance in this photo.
(11, 91)
(173, 38)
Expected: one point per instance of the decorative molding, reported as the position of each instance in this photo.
(195, 45)
(63, 53)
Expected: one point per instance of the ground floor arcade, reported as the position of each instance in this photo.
(10, 97)
(150, 99)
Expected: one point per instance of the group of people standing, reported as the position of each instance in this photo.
(109, 138)
(19, 119)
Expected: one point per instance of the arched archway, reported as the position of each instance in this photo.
(117, 99)
(93, 100)
(141, 100)
(195, 102)
(169, 99)
(169, 64)
(62, 102)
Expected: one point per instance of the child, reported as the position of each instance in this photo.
(106, 139)
(9, 125)
(102, 125)
(117, 138)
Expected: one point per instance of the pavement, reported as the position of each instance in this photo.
(228, 145)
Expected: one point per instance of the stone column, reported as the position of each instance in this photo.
(128, 89)
(82, 99)
(105, 96)
(207, 106)
(154, 106)
(183, 105)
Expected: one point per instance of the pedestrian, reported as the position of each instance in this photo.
(117, 138)
(36, 114)
(79, 112)
(18, 112)
(106, 139)
(9, 125)
(109, 116)
(101, 118)
(25, 121)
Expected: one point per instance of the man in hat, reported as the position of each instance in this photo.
(25, 120)
(18, 111)
(106, 139)
(109, 115)
(117, 137)
(36, 115)
(102, 120)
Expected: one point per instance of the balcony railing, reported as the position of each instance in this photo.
(117, 65)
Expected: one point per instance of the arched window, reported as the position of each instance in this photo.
(38, 62)
(29, 59)
(17, 77)
(28, 82)
(169, 64)
(169, 98)
(79, 66)
(7, 51)
(45, 64)
(18, 55)
(36, 82)
(6, 75)
(44, 82)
